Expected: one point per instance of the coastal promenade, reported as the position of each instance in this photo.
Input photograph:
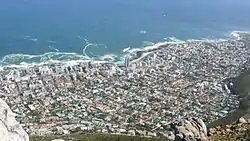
(141, 97)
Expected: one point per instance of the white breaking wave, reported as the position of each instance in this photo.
(143, 31)
(53, 48)
(88, 45)
(173, 39)
(237, 34)
(109, 57)
(147, 43)
(34, 39)
(50, 41)
(126, 49)
(31, 38)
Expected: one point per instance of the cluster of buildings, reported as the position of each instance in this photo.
(141, 97)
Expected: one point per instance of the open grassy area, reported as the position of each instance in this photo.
(95, 137)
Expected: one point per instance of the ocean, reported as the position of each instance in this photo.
(35, 31)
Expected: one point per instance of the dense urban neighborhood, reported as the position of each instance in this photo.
(140, 97)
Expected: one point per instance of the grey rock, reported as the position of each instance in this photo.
(190, 129)
(58, 140)
(242, 120)
(170, 136)
(10, 129)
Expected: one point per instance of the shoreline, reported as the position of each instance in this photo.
(29, 60)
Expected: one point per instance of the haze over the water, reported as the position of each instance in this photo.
(40, 26)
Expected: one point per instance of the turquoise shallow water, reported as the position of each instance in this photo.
(37, 27)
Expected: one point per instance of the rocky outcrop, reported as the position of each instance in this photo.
(10, 129)
(190, 129)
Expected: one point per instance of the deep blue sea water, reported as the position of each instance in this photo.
(34, 27)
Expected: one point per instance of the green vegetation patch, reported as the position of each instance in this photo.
(94, 137)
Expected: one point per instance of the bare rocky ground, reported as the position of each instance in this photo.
(239, 131)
